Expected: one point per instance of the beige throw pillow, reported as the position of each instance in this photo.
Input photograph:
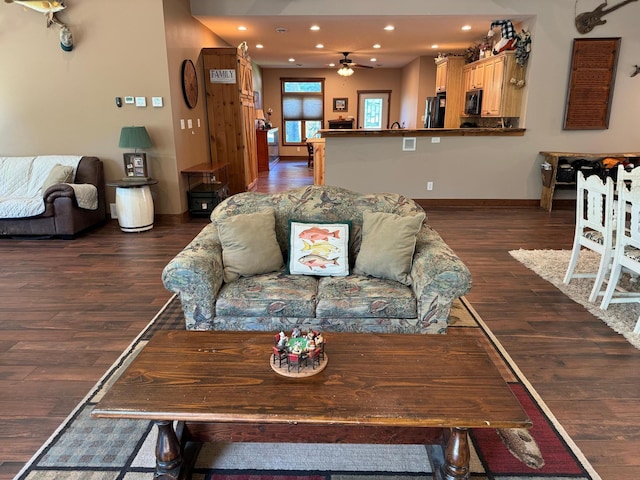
(249, 245)
(58, 174)
(388, 244)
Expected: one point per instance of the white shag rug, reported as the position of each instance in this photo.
(552, 266)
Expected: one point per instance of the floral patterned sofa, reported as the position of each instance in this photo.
(278, 300)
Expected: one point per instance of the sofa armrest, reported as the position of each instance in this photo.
(438, 277)
(59, 190)
(195, 275)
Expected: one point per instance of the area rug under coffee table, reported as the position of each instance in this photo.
(101, 449)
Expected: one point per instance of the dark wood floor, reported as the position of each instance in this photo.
(69, 308)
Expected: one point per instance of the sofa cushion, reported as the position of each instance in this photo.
(357, 296)
(388, 244)
(273, 294)
(58, 174)
(249, 245)
(318, 248)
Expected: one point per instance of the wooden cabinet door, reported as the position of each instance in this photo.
(477, 76)
(492, 96)
(466, 78)
(441, 77)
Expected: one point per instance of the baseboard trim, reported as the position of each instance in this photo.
(477, 202)
(166, 219)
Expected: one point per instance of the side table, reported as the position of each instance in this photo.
(134, 204)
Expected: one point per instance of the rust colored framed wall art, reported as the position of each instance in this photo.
(591, 80)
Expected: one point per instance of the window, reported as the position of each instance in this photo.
(302, 108)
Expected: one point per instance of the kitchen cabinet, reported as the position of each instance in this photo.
(441, 75)
(477, 76)
(501, 98)
(231, 115)
(491, 99)
(449, 79)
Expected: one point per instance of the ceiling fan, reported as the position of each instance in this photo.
(346, 65)
(346, 61)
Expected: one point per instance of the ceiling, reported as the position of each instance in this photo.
(412, 37)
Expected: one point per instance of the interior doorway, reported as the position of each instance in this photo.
(373, 109)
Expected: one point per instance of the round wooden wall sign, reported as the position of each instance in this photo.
(189, 83)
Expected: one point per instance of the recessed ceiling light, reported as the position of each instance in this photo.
(373, 59)
(377, 45)
(314, 28)
(435, 45)
(292, 59)
(332, 64)
(388, 28)
(281, 29)
(466, 27)
(242, 28)
(319, 45)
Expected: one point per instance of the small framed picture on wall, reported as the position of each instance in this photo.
(340, 104)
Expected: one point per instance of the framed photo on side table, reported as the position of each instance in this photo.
(135, 165)
(340, 104)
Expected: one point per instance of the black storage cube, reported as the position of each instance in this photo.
(565, 172)
(204, 197)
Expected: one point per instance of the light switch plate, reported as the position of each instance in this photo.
(156, 101)
(141, 101)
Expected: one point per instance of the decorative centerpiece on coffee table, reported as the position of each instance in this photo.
(298, 355)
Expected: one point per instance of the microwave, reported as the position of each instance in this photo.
(473, 102)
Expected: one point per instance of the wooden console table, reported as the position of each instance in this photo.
(549, 176)
(208, 185)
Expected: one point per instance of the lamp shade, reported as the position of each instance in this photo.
(345, 71)
(134, 137)
(259, 114)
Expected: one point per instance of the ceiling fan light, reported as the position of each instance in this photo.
(345, 71)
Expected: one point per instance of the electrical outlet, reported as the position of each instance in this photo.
(435, 139)
(429, 185)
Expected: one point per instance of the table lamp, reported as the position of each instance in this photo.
(260, 118)
(135, 164)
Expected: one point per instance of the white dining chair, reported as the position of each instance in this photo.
(594, 228)
(630, 178)
(627, 250)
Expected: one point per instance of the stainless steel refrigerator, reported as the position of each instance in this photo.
(434, 111)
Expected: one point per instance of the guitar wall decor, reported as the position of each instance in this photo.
(585, 22)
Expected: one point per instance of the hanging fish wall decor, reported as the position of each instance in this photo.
(49, 9)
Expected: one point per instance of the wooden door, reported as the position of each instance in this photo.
(249, 146)
(231, 115)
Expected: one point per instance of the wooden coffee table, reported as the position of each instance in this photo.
(376, 388)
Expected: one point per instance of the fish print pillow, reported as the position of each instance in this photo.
(319, 249)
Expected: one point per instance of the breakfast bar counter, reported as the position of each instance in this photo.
(426, 132)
